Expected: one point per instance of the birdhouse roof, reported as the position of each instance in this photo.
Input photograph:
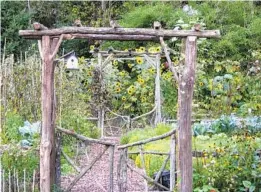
(67, 55)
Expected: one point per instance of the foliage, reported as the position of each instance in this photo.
(228, 124)
(235, 162)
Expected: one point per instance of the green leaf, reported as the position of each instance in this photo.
(252, 188)
(247, 184)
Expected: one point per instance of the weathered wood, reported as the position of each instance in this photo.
(111, 161)
(83, 172)
(171, 67)
(185, 94)
(162, 169)
(172, 162)
(38, 26)
(47, 135)
(122, 171)
(121, 31)
(83, 138)
(157, 92)
(143, 167)
(145, 114)
(58, 160)
(148, 152)
(70, 161)
(163, 136)
(147, 178)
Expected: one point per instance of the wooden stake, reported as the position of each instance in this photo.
(172, 162)
(185, 94)
(33, 181)
(143, 167)
(111, 162)
(157, 92)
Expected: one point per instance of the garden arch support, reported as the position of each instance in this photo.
(49, 43)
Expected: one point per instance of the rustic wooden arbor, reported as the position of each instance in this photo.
(49, 43)
(103, 67)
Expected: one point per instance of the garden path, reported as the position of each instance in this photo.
(97, 179)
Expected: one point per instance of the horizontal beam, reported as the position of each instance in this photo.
(118, 33)
(83, 138)
(142, 142)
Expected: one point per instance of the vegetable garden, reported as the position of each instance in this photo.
(139, 92)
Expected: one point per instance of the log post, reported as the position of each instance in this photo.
(172, 162)
(49, 49)
(122, 170)
(185, 94)
(111, 161)
(58, 160)
(157, 92)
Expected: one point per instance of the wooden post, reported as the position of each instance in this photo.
(111, 159)
(157, 92)
(101, 105)
(122, 170)
(172, 162)
(49, 49)
(58, 160)
(185, 94)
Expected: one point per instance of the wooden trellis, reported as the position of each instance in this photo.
(152, 59)
(49, 43)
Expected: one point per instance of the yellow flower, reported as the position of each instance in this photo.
(158, 49)
(132, 87)
(123, 98)
(115, 63)
(143, 99)
(130, 91)
(122, 73)
(129, 65)
(118, 89)
(201, 84)
(142, 49)
(126, 50)
(152, 70)
(139, 60)
(92, 47)
(118, 84)
(141, 81)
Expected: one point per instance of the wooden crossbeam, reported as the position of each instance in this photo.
(124, 34)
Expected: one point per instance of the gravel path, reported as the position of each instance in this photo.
(97, 179)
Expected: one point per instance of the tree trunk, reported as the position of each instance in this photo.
(47, 147)
(186, 87)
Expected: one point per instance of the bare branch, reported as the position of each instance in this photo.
(145, 114)
(40, 48)
(57, 46)
(70, 161)
(163, 136)
(172, 69)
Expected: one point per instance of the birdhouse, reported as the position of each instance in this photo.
(70, 60)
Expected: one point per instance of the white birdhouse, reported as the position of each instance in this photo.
(71, 62)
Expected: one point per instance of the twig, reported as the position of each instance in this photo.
(83, 138)
(70, 161)
(145, 114)
(172, 69)
(57, 46)
(142, 142)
